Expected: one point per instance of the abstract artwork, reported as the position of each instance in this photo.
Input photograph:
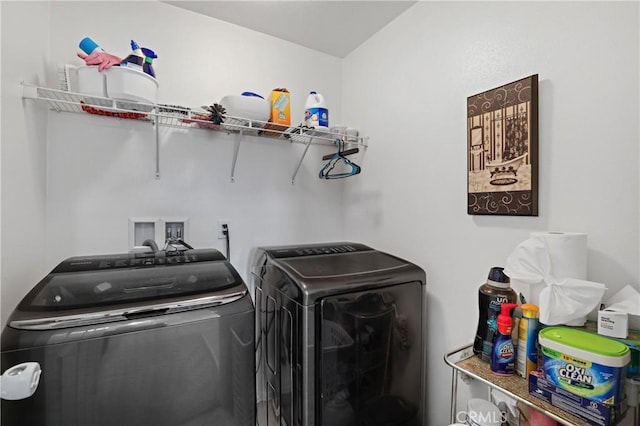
(502, 150)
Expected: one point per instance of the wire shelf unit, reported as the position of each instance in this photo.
(465, 364)
(185, 118)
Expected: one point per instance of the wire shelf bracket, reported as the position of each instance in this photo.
(236, 150)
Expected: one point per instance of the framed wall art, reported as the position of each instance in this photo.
(502, 150)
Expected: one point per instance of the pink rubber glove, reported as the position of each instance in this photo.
(103, 60)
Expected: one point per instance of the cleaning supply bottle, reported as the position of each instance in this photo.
(527, 352)
(491, 295)
(136, 58)
(149, 56)
(316, 113)
(88, 46)
(503, 355)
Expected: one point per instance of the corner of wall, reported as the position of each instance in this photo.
(25, 53)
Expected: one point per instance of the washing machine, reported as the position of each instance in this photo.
(340, 336)
(160, 338)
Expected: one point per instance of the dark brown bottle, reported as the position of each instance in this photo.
(491, 295)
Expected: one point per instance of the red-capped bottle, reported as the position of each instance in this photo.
(503, 356)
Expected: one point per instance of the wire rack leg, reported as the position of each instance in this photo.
(454, 395)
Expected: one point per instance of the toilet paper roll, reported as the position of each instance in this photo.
(20, 381)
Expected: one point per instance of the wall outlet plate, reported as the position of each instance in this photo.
(221, 235)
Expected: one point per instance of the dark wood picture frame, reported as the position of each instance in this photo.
(502, 150)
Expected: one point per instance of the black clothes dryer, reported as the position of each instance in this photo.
(340, 336)
(162, 338)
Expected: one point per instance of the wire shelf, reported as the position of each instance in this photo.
(180, 117)
(184, 118)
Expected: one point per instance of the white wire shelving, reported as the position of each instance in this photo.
(184, 118)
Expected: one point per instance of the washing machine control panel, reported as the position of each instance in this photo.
(136, 260)
(315, 250)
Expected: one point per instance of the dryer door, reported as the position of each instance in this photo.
(370, 357)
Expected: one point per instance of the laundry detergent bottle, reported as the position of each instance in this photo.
(491, 295)
(503, 354)
(316, 113)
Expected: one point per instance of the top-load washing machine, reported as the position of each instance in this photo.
(162, 338)
(340, 336)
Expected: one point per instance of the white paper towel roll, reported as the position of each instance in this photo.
(550, 270)
(567, 253)
(567, 258)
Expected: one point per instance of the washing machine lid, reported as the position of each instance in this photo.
(96, 282)
(344, 264)
(319, 270)
(321, 261)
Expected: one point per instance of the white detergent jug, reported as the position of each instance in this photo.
(316, 113)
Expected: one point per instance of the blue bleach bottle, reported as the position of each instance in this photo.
(503, 355)
(316, 113)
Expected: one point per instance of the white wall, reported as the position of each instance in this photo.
(23, 150)
(407, 88)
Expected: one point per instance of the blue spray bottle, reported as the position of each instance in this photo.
(150, 55)
(503, 355)
(135, 59)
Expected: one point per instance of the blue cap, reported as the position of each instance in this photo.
(149, 53)
(87, 45)
(134, 45)
(496, 274)
(252, 94)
